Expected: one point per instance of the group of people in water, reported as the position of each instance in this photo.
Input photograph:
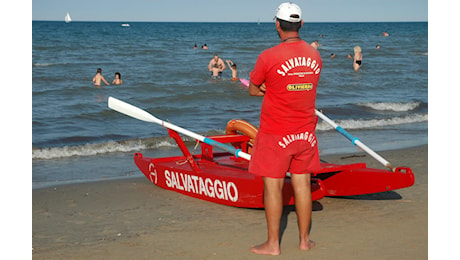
(98, 79)
(357, 57)
(216, 65)
(204, 47)
(358, 54)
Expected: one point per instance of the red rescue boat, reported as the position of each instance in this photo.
(223, 177)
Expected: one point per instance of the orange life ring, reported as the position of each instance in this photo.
(237, 125)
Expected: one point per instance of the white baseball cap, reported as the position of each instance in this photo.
(289, 12)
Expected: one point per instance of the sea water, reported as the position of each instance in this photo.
(77, 138)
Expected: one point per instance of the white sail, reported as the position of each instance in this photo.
(67, 18)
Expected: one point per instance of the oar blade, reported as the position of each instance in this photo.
(131, 110)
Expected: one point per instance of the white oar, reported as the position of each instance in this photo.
(354, 140)
(140, 114)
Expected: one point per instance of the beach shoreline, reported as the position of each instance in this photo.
(133, 219)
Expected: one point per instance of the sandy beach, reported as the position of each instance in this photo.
(133, 219)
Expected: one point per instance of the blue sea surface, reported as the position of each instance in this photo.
(77, 138)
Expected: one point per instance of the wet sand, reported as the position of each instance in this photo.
(133, 219)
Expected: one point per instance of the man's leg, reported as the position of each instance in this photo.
(303, 204)
(273, 202)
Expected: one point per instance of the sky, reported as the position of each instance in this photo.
(228, 10)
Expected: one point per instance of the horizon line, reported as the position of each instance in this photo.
(150, 21)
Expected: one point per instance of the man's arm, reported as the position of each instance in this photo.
(105, 81)
(228, 63)
(255, 90)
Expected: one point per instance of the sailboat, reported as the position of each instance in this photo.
(67, 18)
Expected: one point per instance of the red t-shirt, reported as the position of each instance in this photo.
(290, 72)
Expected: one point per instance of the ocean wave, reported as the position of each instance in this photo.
(391, 106)
(374, 123)
(99, 148)
(420, 53)
(136, 145)
(47, 64)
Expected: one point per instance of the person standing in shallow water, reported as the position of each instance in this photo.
(98, 78)
(357, 58)
(234, 70)
(216, 62)
(286, 75)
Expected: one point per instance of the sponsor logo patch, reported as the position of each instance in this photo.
(300, 87)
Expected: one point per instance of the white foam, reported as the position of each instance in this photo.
(165, 144)
(137, 145)
(391, 106)
(47, 64)
(85, 150)
(373, 123)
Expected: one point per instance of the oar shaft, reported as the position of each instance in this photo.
(182, 130)
(354, 140)
(336, 127)
(374, 154)
(143, 115)
(231, 149)
(207, 140)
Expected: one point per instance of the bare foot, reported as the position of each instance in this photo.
(308, 245)
(266, 249)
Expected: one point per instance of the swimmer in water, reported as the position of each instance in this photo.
(117, 80)
(358, 58)
(215, 70)
(232, 66)
(98, 78)
(315, 44)
(216, 61)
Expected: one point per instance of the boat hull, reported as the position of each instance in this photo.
(357, 179)
(215, 182)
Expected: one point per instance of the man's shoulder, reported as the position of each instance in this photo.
(272, 49)
(280, 47)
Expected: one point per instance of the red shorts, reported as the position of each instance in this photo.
(273, 155)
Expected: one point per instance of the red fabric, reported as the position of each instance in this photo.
(290, 72)
(274, 155)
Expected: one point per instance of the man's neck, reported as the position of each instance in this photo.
(290, 37)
